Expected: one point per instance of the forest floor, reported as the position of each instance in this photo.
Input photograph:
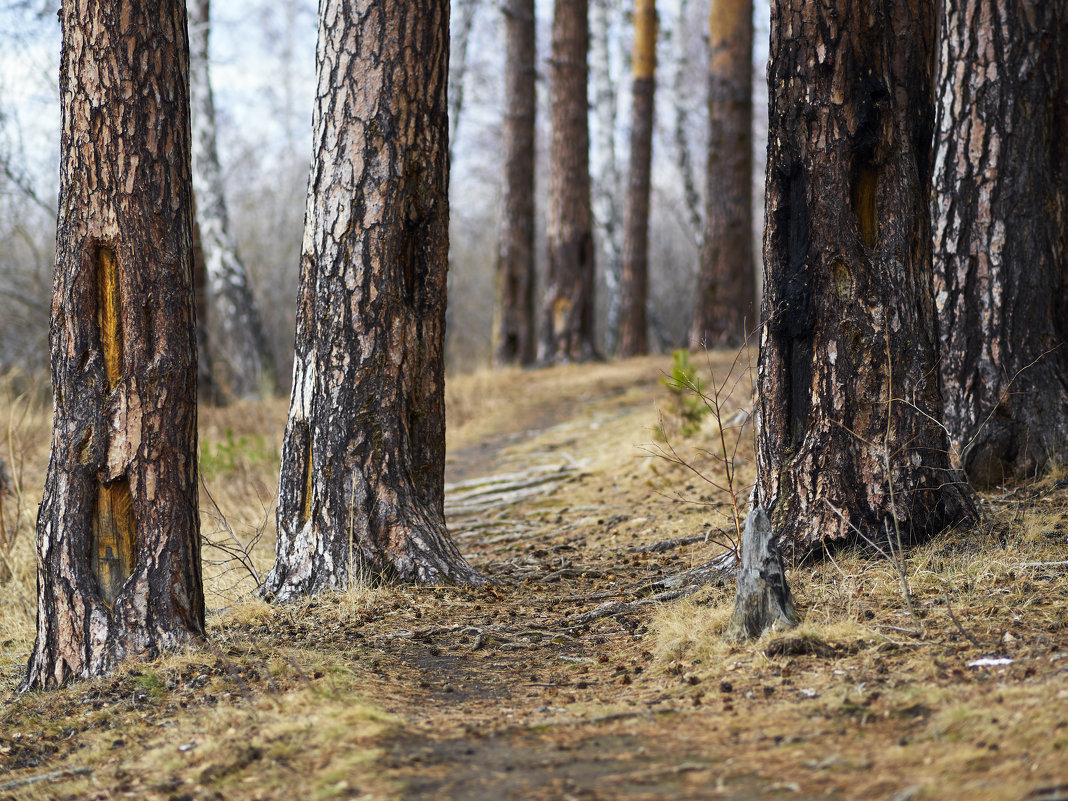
(573, 675)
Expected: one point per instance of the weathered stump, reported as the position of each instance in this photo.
(763, 601)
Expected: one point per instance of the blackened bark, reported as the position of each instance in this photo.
(118, 530)
(726, 291)
(1000, 211)
(567, 332)
(361, 493)
(513, 324)
(241, 361)
(848, 395)
(634, 283)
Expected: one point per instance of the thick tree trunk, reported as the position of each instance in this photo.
(362, 484)
(513, 323)
(634, 285)
(118, 530)
(726, 292)
(567, 332)
(240, 357)
(848, 435)
(1001, 234)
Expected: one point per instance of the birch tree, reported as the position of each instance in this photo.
(634, 284)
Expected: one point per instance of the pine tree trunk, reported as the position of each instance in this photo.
(848, 437)
(567, 332)
(240, 357)
(206, 389)
(361, 493)
(513, 324)
(118, 530)
(726, 292)
(1001, 234)
(634, 288)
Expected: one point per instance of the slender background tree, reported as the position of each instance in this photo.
(726, 289)
(634, 283)
(848, 435)
(567, 332)
(241, 361)
(513, 324)
(118, 530)
(1001, 234)
(361, 493)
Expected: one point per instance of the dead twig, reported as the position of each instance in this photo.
(956, 623)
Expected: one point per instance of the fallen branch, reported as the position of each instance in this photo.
(44, 777)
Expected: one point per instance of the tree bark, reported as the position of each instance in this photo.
(567, 332)
(513, 325)
(241, 361)
(634, 285)
(848, 436)
(726, 292)
(118, 531)
(1001, 234)
(361, 493)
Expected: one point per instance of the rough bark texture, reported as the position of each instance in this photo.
(361, 494)
(1001, 234)
(726, 292)
(118, 531)
(634, 284)
(848, 388)
(513, 322)
(241, 360)
(567, 332)
(763, 601)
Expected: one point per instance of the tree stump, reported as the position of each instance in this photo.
(763, 601)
